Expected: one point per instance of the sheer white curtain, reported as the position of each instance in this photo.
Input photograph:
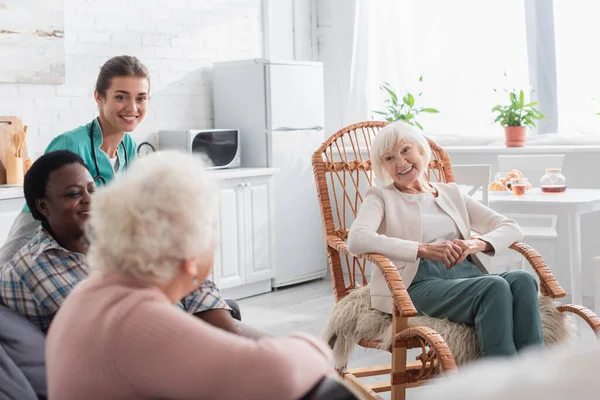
(577, 31)
(461, 48)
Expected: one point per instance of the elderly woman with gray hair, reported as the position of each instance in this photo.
(425, 230)
(118, 336)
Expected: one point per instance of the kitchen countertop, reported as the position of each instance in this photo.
(11, 192)
(16, 191)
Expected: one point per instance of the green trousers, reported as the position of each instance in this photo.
(503, 308)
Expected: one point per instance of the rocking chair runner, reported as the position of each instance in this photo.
(342, 169)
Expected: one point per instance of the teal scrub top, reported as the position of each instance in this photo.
(78, 141)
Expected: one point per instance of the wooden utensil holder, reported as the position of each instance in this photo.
(14, 169)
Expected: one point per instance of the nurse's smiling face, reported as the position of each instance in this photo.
(123, 106)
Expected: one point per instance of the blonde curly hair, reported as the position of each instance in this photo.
(157, 214)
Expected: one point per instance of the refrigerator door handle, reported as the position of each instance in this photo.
(287, 128)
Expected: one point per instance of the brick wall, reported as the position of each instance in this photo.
(178, 40)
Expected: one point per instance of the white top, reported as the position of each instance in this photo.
(115, 163)
(436, 224)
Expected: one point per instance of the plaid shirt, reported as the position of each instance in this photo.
(41, 275)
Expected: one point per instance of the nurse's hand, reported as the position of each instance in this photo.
(447, 252)
(468, 247)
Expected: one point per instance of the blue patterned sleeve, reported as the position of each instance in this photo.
(15, 295)
(52, 276)
(206, 297)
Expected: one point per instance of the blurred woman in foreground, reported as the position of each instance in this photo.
(118, 335)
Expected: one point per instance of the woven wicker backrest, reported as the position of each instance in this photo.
(343, 173)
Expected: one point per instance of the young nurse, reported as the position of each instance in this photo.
(122, 92)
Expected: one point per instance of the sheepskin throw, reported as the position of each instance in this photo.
(352, 319)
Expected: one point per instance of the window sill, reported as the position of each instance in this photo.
(528, 149)
(547, 143)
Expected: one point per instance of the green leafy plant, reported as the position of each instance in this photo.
(401, 107)
(517, 112)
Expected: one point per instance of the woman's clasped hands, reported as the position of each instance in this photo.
(449, 252)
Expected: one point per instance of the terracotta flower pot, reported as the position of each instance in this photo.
(515, 136)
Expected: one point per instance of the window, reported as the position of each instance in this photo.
(577, 65)
(462, 48)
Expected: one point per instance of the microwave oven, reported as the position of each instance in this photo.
(221, 146)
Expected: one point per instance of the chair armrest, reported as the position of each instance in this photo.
(549, 284)
(402, 302)
(588, 316)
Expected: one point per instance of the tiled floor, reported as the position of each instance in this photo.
(304, 308)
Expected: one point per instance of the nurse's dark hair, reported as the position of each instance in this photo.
(119, 66)
(36, 178)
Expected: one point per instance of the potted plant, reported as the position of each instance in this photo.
(516, 117)
(402, 108)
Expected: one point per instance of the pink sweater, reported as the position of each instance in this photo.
(118, 338)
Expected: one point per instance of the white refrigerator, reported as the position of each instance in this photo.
(279, 109)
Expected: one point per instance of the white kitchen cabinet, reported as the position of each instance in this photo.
(259, 232)
(229, 264)
(244, 251)
(11, 203)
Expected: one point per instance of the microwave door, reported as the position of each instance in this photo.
(221, 147)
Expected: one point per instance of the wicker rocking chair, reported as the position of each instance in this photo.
(342, 169)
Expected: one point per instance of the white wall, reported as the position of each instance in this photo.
(288, 25)
(333, 40)
(178, 40)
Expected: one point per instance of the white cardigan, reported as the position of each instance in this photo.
(390, 224)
